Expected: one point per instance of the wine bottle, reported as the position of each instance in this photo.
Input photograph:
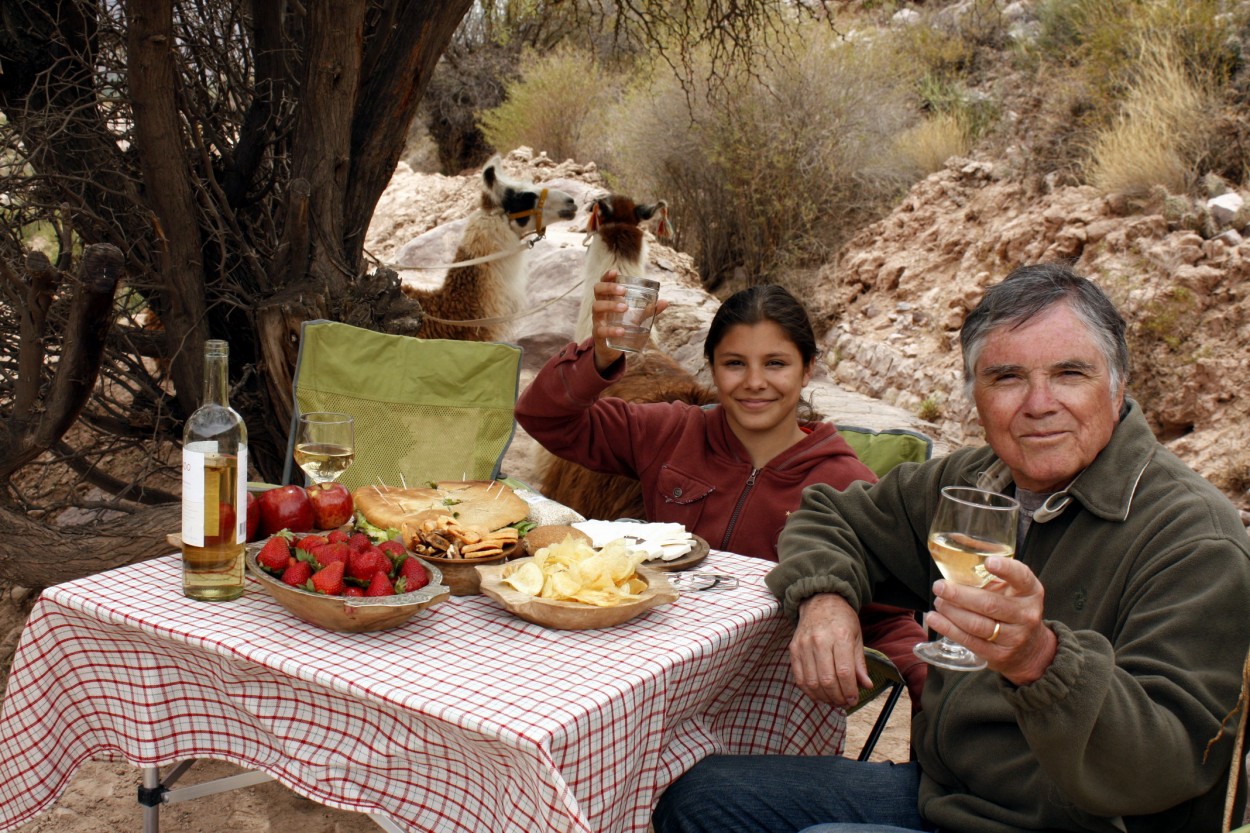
(214, 488)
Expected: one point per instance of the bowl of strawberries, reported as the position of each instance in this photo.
(345, 581)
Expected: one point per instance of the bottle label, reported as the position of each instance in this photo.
(193, 497)
(240, 502)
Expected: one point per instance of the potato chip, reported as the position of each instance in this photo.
(572, 570)
(561, 585)
(526, 578)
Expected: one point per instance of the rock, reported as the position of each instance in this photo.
(1224, 208)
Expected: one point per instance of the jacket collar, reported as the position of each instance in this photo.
(806, 452)
(1107, 485)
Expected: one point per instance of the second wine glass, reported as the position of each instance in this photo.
(970, 526)
(325, 444)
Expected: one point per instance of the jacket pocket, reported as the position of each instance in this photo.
(684, 495)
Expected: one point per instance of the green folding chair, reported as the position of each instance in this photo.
(425, 409)
(882, 451)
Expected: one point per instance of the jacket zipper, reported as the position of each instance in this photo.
(733, 519)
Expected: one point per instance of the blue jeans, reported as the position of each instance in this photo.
(787, 794)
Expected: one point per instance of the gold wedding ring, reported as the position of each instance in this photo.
(997, 627)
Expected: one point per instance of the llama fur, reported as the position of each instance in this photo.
(616, 242)
(495, 289)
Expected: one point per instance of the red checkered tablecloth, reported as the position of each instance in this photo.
(465, 719)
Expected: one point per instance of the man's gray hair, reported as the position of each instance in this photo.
(1031, 290)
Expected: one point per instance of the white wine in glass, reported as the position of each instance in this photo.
(970, 526)
(325, 445)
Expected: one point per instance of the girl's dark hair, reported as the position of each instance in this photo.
(765, 302)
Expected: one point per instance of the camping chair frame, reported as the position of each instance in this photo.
(881, 451)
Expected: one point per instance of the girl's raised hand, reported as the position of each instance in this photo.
(608, 295)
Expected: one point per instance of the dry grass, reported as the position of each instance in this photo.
(1159, 137)
(928, 145)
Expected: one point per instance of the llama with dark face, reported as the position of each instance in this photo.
(486, 293)
(616, 242)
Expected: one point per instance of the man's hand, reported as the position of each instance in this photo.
(827, 651)
(1001, 622)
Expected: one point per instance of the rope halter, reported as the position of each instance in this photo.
(540, 231)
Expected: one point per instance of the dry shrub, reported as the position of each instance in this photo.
(466, 81)
(779, 170)
(930, 143)
(557, 106)
(1105, 36)
(1162, 132)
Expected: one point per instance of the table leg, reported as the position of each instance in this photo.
(149, 797)
(156, 792)
(385, 823)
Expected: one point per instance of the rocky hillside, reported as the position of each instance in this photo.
(892, 302)
(901, 287)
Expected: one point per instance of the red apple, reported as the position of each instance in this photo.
(253, 517)
(332, 505)
(286, 507)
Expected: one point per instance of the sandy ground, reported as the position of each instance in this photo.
(101, 798)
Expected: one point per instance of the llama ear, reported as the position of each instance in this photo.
(663, 229)
(491, 172)
(593, 222)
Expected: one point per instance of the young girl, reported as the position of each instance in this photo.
(729, 474)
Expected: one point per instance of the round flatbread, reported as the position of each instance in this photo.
(481, 506)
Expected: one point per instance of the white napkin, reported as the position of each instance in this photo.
(663, 541)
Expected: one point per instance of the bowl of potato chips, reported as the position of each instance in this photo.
(572, 586)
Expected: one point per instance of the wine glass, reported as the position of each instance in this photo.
(325, 445)
(970, 526)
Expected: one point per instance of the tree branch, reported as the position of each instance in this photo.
(67, 553)
(27, 435)
(40, 287)
(150, 42)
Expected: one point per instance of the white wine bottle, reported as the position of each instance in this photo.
(214, 488)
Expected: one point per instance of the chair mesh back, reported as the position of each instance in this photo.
(425, 409)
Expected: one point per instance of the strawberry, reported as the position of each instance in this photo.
(359, 541)
(413, 576)
(392, 548)
(353, 591)
(329, 580)
(380, 585)
(309, 543)
(297, 574)
(338, 536)
(364, 563)
(332, 553)
(274, 555)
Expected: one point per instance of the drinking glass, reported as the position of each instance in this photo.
(640, 299)
(325, 445)
(970, 526)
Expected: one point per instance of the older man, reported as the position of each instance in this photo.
(1114, 639)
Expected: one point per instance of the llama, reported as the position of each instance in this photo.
(487, 292)
(650, 376)
(616, 242)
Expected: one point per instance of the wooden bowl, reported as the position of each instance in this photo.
(573, 616)
(349, 614)
(460, 574)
